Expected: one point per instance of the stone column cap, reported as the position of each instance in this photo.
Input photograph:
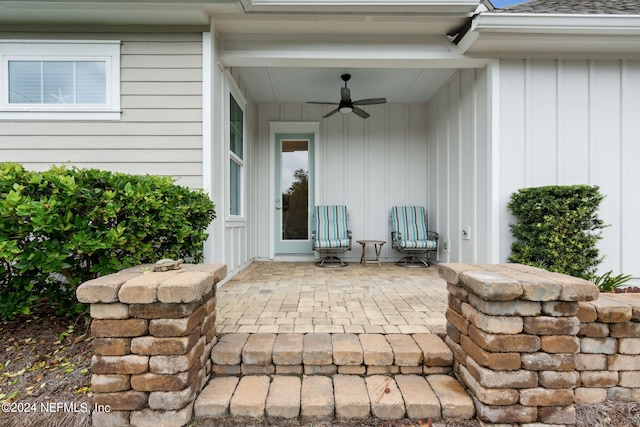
(139, 285)
(508, 282)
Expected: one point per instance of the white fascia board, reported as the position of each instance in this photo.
(557, 23)
(366, 6)
(263, 52)
(504, 32)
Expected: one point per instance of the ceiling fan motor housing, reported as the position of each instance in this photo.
(346, 105)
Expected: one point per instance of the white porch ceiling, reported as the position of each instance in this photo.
(291, 85)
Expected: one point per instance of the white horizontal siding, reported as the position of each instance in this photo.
(158, 48)
(169, 60)
(88, 129)
(575, 122)
(162, 75)
(160, 129)
(56, 155)
(99, 142)
(159, 102)
(184, 115)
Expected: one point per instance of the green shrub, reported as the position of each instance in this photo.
(62, 227)
(558, 228)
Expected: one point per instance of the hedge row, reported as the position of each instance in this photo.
(64, 226)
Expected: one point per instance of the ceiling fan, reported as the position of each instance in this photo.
(346, 105)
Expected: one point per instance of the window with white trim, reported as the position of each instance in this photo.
(60, 80)
(236, 156)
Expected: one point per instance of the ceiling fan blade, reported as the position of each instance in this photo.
(360, 112)
(330, 113)
(345, 94)
(370, 101)
(322, 103)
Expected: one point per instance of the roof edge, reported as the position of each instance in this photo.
(565, 23)
(359, 6)
(544, 31)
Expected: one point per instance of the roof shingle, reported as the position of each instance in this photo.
(600, 7)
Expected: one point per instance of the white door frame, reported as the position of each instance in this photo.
(287, 127)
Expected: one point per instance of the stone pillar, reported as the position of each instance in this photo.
(153, 336)
(609, 359)
(513, 331)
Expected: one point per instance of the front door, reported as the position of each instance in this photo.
(294, 192)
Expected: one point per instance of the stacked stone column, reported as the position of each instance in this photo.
(513, 331)
(153, 336)
(609, 363)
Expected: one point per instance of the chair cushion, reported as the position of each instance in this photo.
(331, 224)
(410, 222)
(417, 244)
(332, 243)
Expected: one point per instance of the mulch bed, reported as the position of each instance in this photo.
(628, 290)
(45, 364)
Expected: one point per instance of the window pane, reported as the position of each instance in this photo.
(234, 188)
(25, 82)
(91, 82)
(235, 127)
(294, 180)
(58, 82)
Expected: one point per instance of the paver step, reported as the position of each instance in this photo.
(340, 396)
(330, 354)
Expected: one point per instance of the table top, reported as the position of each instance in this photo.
(381, 242)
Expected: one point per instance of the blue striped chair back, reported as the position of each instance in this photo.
(410, 221)
(331, 226)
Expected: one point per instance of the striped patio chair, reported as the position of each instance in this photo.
(410, 236)
(330, 235)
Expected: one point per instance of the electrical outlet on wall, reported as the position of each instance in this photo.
(445, 245)
(466, 232)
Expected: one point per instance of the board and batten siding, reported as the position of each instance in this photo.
(458, 167)
(575, 122)
(236, 248)
(368, 165)
(160, 130)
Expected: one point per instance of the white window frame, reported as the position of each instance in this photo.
(233, 90)
(61, 50)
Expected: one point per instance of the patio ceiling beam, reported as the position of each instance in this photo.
(430, 53)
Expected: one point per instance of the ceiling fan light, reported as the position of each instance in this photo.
(346, 109)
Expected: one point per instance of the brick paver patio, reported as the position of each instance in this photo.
(298, 297)
(318, 343)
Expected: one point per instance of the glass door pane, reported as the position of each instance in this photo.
(294, 183)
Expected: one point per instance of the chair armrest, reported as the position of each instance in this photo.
(432, 235)
(349, 234)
